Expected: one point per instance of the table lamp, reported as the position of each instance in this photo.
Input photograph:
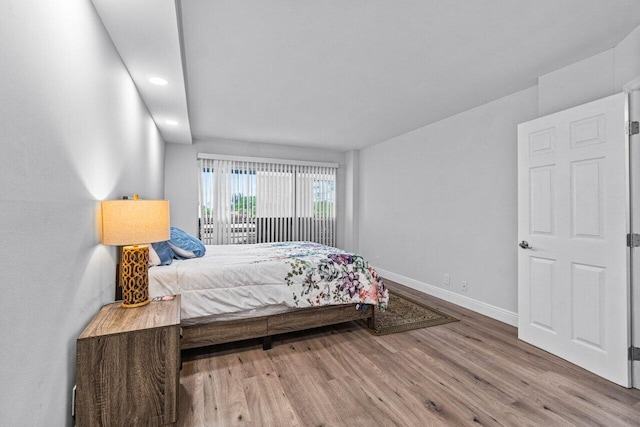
(130, 223)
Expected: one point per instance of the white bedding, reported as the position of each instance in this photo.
(232, 281)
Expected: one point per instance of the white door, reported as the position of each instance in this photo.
(573, 211)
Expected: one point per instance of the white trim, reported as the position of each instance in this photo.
(266, 160)
(506, 316)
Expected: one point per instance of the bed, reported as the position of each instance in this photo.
(237, 292)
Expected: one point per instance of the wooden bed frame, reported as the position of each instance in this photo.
(211, 331)
(219, 332)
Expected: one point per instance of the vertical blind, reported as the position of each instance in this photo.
(249, 200)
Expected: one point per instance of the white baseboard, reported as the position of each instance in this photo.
(506, 316)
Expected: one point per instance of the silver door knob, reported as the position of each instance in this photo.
(525, 245)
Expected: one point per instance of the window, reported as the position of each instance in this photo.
(248, 200)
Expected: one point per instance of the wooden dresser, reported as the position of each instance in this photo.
(128, 366)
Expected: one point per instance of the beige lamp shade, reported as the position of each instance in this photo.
(131, 222)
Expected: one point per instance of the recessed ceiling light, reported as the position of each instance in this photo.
(158, 81)
(171, 122)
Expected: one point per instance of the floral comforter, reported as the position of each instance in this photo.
(267, 278)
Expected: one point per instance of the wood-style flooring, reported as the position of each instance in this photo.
(472, 372)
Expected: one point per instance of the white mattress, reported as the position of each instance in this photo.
(234, 281)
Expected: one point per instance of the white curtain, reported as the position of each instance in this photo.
(243, 200)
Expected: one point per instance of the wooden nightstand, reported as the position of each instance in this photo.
(128, 366)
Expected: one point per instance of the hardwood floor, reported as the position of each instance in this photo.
(472, 372)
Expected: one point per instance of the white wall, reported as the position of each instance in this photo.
(181, 178)
(443, 199)
(73, 131)
(593, 78)
(578, 83)
(352, 207)
(627, 59)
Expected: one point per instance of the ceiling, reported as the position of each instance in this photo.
(345, 74)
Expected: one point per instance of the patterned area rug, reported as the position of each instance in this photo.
(404, 314)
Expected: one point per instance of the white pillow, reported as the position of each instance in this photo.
(181, 252)
(154, 259)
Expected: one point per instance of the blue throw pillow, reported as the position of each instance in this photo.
(185, 245)
(164, 251)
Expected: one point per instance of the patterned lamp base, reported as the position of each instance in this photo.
(135, 276)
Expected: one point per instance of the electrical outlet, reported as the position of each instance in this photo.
(465, 286)
(447, 279)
